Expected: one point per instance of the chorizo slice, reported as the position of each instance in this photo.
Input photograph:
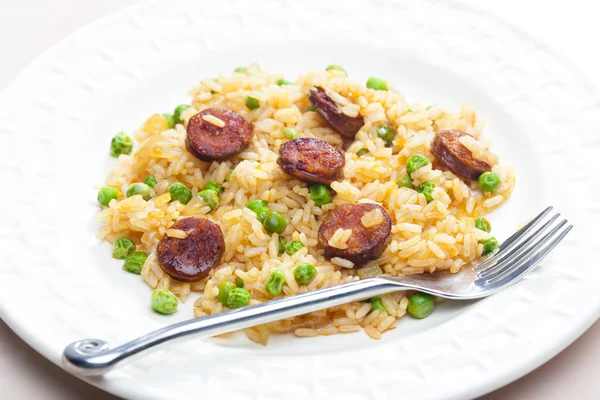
(448, 149)
(365, 243)
(217, 133)
(332, 113)
(192, 258)
(311, 160)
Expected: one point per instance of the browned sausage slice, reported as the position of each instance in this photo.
(208, 141)
(332, 113)
(311, 160)
(365, 244)
(192, 258)
(454, 155)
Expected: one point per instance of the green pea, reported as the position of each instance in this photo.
(415, 162)
(387, 134)
(139, 188)
(427, 189)
(290, 133)
(238, 297)
(281, 82)
(170, 120)
(121, 143)
(488, 181)
(122, 248)
(164, 301)
(292, 247)
(376, 83)
(320, 194)
(135, 262)
(281, 243)
(106, 194)
(405, 182)
(212, 185)
(304, 273)
(310, 108)
(177, 113)
(336, 67)
(261, 214)
(275, 282)
(420, 305)
(239, 282)
(241, 70)
(210, 198)
(362, 152)
(224, 289)
(252, 103)
(274, 222)
(483, 224)
(254, 205)
(150, 181)
(377, 304)
(489, 245)
(179, 192)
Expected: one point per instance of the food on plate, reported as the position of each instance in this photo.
(264, 187)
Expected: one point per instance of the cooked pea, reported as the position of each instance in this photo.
(387, 134)
(320, 194)
(122, 248)
(239, 282)
(241, 70)
(281, 242)
(274, 222)
(420, 305)
(377, 304)
(224, 289)
(336, 67)
(139, 188)
(150, 181)
(275, 282)
(290, 133)
(210, 198)
(252, 103)
(106, 194)
(292, 247)
(310, 108)
(405, 182)
(177, 113)
(238, 297)
(483, 224)
(212, 185)
(376, 83)
(179, 192)
(281, 82)
(415, 162)
(164, 301)
(489, 245)
(427, 189)
(121, 143)
(135, 262)
(256, 204)
(261, 214)
(362, 152)
(304, 273)
(488, 181)
(170, 120)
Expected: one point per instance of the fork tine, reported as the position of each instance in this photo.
(510, 257)
(545, 245)
(513, 240)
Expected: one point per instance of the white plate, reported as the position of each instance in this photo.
(59, 284)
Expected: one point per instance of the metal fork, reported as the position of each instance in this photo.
(518, 255)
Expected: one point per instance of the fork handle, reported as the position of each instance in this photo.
(92, 357)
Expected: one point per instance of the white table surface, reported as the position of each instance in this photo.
(28, 27)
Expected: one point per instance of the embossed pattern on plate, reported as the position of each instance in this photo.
(57, 116)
